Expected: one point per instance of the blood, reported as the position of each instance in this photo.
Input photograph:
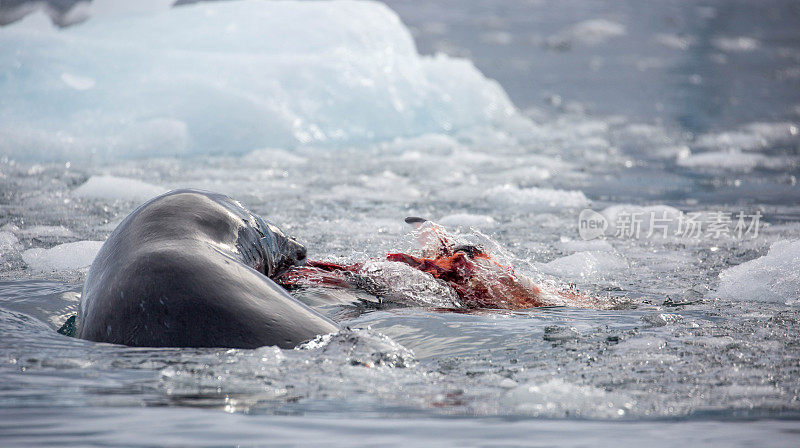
(479, 281)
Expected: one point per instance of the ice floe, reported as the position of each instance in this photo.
(68, 256)
(774, 277)
(112, 187)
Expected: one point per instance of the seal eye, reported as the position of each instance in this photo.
(301, 254)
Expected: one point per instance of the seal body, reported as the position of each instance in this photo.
(193, 269)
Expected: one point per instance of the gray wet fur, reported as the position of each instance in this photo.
(192, 269)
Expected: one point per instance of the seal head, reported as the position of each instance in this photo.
(193, 268)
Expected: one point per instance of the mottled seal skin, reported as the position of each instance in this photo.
(192, 269)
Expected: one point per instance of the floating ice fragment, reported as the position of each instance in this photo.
(8, 242)
(467, 220)
(585, 265)
(362, 347)
(675, 41)
(69, 256)
(733, 160)
(46, 231)
(774, 277)
(741, 43)
(497, 37)
(567, 245)
(750, 137)
(537, 199)
(112, 187)
(275, 157)
(589, 32)
(554, 333)
(661, 319)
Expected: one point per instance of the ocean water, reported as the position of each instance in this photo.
(337, 120)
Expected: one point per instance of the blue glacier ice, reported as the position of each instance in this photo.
(229, 78)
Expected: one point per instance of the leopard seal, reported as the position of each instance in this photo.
(192, 268)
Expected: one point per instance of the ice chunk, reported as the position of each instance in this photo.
(362, 347)
(589, 32)
(8, 242)
(275, 157)
(675, 41)
(112, 187)
(128, 85)
(585, 265)
(537, 199)
(69, 256)
(753, 136)
(467, 220)
(741, 43)
(497, 37)
(567, 245)
(46, 231)
(733, 160)
(774, 277)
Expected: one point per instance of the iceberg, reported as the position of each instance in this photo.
(229, 78)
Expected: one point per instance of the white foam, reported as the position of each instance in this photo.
(69, 256)
(537, 199)
(558, 398)
(774, 277)
(585, 265)
(128, 85)
(409, 285)
(112, 187)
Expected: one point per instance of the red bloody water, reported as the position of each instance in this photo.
(479, 281)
